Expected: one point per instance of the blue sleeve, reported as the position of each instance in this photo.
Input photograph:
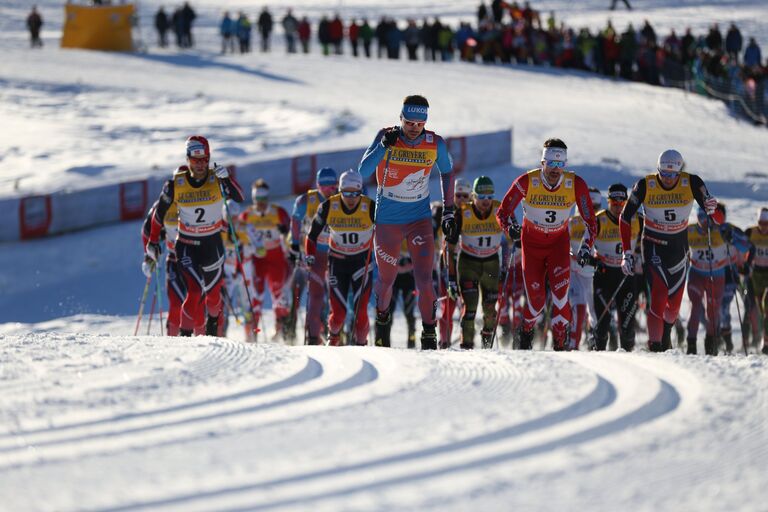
(297, 217)
(372, 157)
(444, 160)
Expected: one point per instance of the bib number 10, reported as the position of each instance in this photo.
(350, 238)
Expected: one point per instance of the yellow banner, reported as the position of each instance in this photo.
(98, 28)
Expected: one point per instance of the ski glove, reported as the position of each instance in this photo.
(514, 229)
(448, 223)
(152, 251)
(584, 257)
(309, 260)
(628, 263)
(452, 289)
(294, 254)
(390, 136)
(148, 268)
(221, 172)
(710, 205)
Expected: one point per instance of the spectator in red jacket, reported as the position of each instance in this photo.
(354, 36)
(305, 32)
(336, 33)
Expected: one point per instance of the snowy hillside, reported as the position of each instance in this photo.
(92, 418)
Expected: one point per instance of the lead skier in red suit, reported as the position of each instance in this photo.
(548, 194)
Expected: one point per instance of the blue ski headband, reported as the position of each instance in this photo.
(415, 112)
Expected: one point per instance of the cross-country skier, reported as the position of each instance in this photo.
(757, 270)
(607, 279)
(199, 194)
(266, 223)
(548, 194)
(580, 290)
(706, 282)
(403, 158)
(462, 191)
(477, 272)
(348, 216)
(667, 197)
(737, 249)
(174, 283)
(304, 210)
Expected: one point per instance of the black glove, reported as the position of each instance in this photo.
(448, 223)
(514, 230)
(390, 136)
(294, 254)
(452, 288)
(584, 257)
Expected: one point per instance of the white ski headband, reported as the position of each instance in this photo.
(554, 154)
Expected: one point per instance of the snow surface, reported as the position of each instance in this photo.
(92, 418)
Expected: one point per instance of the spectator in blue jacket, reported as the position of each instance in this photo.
(227, 31)
(752, 55)
(733, 43)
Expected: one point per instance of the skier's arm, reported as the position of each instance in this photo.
(231, 189)
(701, 194)
(297, 219)
(636, 198)
(318, 224)
(163, 203)
(372, 156)
(584, 204)
(284, 221)
(505, 215)
(444, 164)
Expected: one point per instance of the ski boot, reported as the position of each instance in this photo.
(467, 344)
(212, 326)
(628, 346)
(728, 340)
(444, 345)
(185, 332)
(382, 329)
(655, 346)
(666, 337)
(313, 340)
(526, 339)
(559, 344)
(334, 340)
(506, 334)
(411, 338)
(680, 331)
(710, 345)
(691, 342)
(765, 349)
(428, 337)
(487, 337)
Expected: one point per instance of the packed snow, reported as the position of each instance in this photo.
(93, 418)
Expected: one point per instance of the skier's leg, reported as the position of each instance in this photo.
(421, 245)
(316, 294)
(338, 286)
(469, 271)
(489, 288)
(559, 276)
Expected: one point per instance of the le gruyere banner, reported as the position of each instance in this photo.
(98, 28)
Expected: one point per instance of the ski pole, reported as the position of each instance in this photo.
(736, 295)
(379, 193)
(711, 293)
(151, 312)
(141, 305)
(159, 298)
(502, 298)
(593, 338)
(233, 234)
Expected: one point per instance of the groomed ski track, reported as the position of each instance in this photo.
(109, 424)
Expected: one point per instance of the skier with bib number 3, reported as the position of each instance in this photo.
(548, 193)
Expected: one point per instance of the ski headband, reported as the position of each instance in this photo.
(415, 112)
(260, 193)
(554, 154)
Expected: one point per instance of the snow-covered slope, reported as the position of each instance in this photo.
(92, 418)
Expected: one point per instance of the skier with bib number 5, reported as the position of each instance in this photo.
(403, 158)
